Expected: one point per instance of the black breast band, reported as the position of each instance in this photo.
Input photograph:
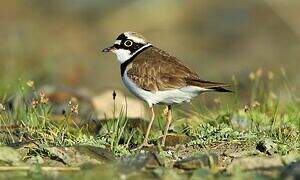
(127, 62)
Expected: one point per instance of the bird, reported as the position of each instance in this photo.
(156, 77)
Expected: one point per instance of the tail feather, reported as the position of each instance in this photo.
(216, 86)
(220, 89)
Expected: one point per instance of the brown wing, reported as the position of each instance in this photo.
(154, 70)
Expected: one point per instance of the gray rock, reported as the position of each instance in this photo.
(80, 155)
(35, 160)
(196, 162)
(173, 140)
(9, 156)
(255, 163)
(292, 171)
(143, 160)
(25, 148)
(98, 153)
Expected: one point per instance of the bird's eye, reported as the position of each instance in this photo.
(128, 43)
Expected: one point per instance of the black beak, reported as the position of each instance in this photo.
(108, 49)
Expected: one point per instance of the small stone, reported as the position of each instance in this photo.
(153, 161)
(9, 156)
(196, 162)
(35, 160)
(267, 146)
(60, 153)
(291, 171)
(143, 160)
(25, 148)
(80, 155)
(98, 153)
(254, 163)
(173, 140)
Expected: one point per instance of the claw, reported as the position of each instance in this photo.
(145, 144)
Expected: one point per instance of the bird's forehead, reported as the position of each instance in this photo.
(118, 42)
(137, 38)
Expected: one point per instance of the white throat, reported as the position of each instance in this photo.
(123, 55)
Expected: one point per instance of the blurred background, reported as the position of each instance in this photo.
(58, 42)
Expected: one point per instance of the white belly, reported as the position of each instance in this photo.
(174, 96)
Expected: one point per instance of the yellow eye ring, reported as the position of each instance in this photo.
(128, 43)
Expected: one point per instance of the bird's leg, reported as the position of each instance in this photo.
(165, 111)
(169, 119)
(145, 143)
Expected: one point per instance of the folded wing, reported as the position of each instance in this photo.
(155, 70)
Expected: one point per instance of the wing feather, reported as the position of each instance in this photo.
(155, 70)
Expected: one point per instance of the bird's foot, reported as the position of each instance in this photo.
(145, 144)
(163, 143)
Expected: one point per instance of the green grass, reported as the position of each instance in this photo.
(227, 120)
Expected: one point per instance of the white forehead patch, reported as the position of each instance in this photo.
(118, 42)
(136, 39)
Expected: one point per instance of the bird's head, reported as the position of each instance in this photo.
(127, 45)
